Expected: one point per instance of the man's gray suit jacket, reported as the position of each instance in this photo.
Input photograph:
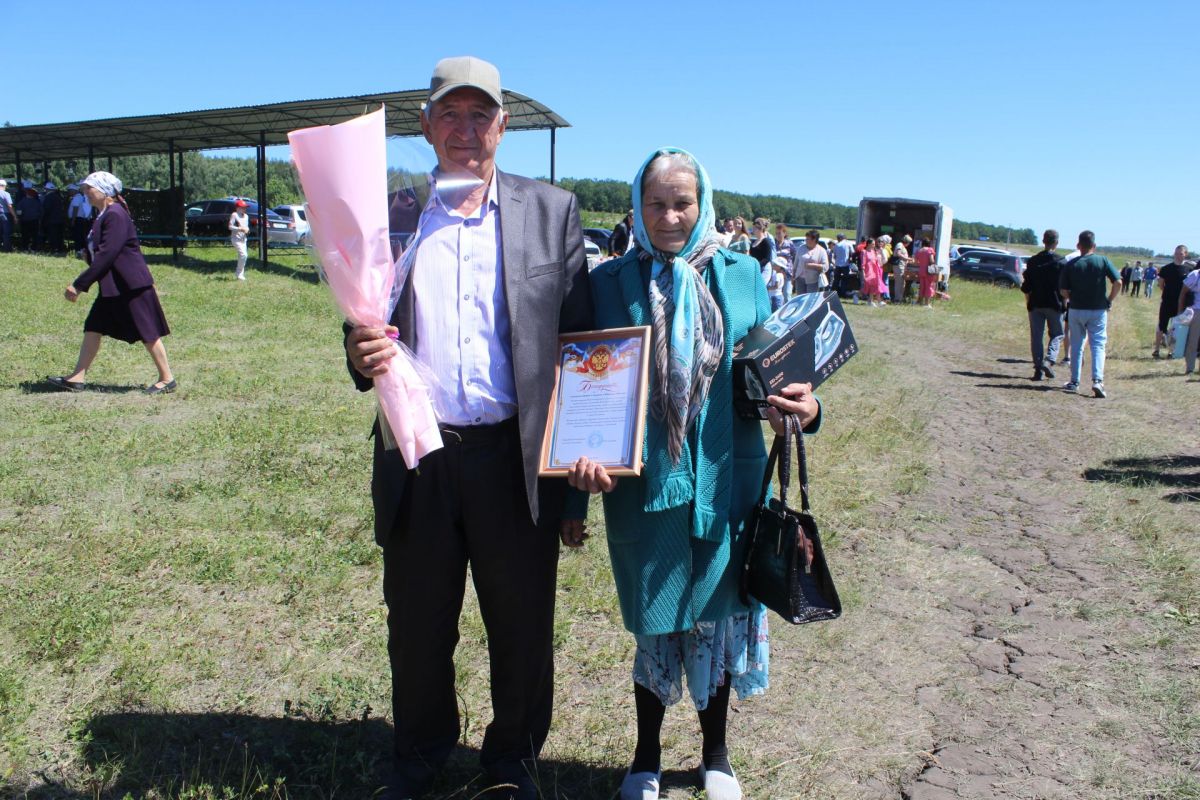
(547, 292)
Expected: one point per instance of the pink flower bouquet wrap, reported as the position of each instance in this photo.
(343, 171)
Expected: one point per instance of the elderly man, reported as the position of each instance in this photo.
(1082, 284)
(622, 236)
(500, 271)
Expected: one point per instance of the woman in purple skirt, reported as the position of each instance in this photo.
(127, 308)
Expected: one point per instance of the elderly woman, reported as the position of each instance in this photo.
(675, 533)
(127, 308)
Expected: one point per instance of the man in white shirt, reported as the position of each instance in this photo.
(499, 272)
(79, 218)
(809, 263)
(8, 218)
(842, 265)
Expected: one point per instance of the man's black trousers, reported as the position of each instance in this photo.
(466, 505)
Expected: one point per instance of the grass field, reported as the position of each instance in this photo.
(190, 595)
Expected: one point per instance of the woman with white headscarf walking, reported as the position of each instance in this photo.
(127, 308)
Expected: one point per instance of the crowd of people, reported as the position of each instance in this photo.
(873, 270)
(40, 219)
(1136, 278)
(1068, 300)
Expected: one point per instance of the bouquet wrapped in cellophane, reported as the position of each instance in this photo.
(343, 172)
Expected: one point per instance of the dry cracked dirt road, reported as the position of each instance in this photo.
(1010, 641)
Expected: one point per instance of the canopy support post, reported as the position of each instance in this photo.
(171, 170)
(261, 159)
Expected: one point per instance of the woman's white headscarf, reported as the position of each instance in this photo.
(105, 182)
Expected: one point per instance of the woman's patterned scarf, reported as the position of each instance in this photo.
(689, 337)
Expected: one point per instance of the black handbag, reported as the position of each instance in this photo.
(775, 572)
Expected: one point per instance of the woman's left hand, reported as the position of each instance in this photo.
(590, 477)
(796, 399)
(71, 293)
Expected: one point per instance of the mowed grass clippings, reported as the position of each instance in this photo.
(189, 589)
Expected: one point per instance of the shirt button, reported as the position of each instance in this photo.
(467, 340)
(466, 258)
(478, 419)
(466, 297)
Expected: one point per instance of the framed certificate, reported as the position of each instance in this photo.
(598, 408)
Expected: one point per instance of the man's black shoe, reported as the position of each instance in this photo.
(406, 782)
(1049, 373)
(521, 787)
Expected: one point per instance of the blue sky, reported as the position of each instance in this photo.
(1065, 114)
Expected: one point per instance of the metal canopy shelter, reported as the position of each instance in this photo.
(258, 126)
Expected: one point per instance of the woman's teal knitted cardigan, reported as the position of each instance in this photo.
(675, 532)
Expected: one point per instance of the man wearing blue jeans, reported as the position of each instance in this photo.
(1081, 283)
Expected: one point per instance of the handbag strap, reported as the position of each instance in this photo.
(802, 462)
(780, 462)
(776, 447)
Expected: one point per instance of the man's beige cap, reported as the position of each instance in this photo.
(460, 71)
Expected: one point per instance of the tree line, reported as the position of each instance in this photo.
(204, 177)
(613, 196)
(209, 177)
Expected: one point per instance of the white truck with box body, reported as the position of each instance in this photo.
(920, 219)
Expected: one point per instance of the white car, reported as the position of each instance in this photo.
(962, 249)
(592, 251)
(299, 217)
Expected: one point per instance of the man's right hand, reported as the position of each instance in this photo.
(370, 349)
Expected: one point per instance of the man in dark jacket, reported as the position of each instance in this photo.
(54, 218)
(1044, 304)
(618, 243)
(29, 209)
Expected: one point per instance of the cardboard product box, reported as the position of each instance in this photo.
(805, 341)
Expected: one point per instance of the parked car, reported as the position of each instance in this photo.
(299, 217)
(593, 252)
(1000, 269)
(210, 218)
(598, 235)
(959, 250)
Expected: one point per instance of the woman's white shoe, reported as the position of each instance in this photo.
(640, 786)
(718, 785)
